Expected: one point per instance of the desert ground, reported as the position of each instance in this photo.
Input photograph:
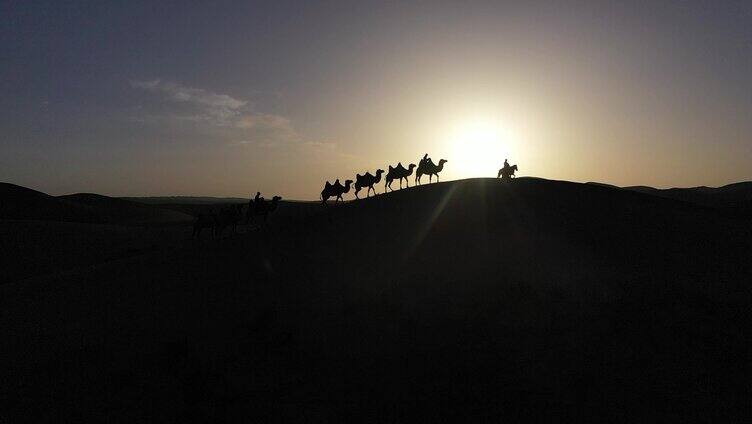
(471, 300)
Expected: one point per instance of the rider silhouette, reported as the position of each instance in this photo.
(506, 164)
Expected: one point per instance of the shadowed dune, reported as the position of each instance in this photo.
(18, 202)
(733, 196)
(121, 211)
(466, 300)
(41, 234)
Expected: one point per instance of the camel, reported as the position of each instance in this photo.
(429, 168)
(228, 217)
(507, 173)
(335, 190)
(261, 207)
(204, 220)
(398, 172)
(367, 180)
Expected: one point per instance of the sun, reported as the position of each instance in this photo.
(478, 147)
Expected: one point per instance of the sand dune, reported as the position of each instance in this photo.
(464, 300)
(18, 202)
(116, 210)
(733, 196)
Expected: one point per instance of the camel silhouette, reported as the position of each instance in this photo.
(335, 190)
(228, 217)
(367, 180)
(507, 173)
(427, 167)
(261, 207)
(204, 221)
(399, 172)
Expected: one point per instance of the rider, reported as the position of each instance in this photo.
(425, 160)
(257, 201)
(506, 165)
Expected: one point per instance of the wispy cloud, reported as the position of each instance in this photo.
(246, 127)
(214, 108)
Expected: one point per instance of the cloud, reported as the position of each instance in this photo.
(213, 108)
(319, 145)
(236, 117)
(264, 120)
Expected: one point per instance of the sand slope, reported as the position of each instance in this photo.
(470, 300)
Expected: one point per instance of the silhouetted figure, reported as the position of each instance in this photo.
(423, 161)
(398, 173)
(367, 180)
(335, 190)
(507, 172)
(429, 168)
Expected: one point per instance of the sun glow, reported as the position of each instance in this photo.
(478, 148)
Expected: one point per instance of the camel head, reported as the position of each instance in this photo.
(379, 172)
(346, 188)
(276, 198)
(412, 165)
(442, 162)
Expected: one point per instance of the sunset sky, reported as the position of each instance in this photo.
(228, 98)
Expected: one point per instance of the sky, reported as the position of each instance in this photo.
(149, 98)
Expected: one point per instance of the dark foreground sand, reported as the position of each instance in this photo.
(470, 300)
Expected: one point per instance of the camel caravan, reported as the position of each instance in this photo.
(425, 166)
(395, 173)
(232, 215)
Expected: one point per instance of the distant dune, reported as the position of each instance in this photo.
(116, 210)
(735, 196)
(18, 202)
(190, 200)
